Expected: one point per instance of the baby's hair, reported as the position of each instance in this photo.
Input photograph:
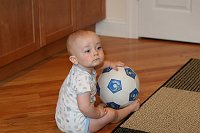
(73, 38)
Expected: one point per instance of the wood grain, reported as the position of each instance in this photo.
(28, 99)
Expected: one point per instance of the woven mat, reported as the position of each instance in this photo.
(174, 108)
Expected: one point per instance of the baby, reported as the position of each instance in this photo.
(76, 111)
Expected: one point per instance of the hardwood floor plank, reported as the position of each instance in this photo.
(28, 100)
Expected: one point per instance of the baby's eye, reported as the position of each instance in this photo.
(99, 47)
(87, 51)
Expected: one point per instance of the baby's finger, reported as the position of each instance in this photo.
(120, 64)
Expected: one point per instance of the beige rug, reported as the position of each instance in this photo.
(166, 112)
(174, 108)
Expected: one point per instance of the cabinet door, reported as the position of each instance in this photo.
(18, 29)
(56, 19)
(89, 12)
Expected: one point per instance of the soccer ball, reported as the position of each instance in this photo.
(118, 88)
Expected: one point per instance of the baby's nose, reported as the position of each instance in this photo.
(95, 52)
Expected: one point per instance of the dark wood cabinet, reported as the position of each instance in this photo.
(56, 19)
(89, 12)
(18, 29)
(34, 29)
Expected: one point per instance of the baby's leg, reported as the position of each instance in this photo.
(97, 124)
(122, 113)
(113, 116)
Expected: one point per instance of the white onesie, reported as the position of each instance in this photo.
(68, 116)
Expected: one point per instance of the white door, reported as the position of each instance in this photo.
(170, 19)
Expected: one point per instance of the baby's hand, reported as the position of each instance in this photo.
(102, 105)
(102, 110)
(116, 64)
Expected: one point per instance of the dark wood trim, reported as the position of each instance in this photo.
(32, 59)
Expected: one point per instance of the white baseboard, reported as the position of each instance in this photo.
(112, 28)
(125, 27)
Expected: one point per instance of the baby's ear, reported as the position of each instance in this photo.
(73, 59)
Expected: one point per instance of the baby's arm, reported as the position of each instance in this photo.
(89, 109)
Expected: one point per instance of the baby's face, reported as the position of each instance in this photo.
(88, 51)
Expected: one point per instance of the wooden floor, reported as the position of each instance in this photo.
(28, 100)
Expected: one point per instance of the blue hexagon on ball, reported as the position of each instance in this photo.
(98, 89)
(108, 69)
(130, 73)
(113, 105)
(133, 95)
(114, 85)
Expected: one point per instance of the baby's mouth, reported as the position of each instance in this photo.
(97, 59)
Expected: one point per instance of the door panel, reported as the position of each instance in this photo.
(170, 19)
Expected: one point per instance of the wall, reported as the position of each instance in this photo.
(121, 19)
